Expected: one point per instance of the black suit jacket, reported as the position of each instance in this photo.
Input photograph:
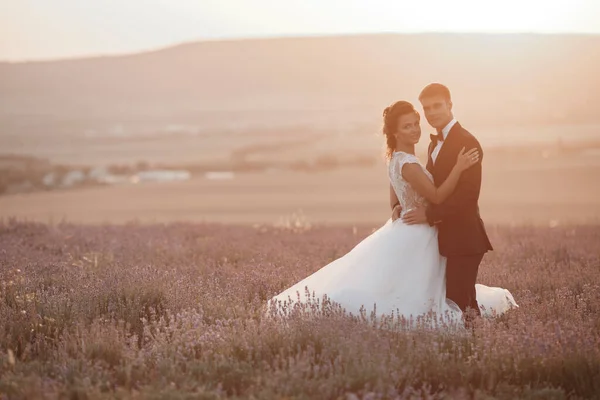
(461, 231)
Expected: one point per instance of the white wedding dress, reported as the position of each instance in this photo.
(397, 270)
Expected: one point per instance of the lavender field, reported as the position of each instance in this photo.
(175, 311)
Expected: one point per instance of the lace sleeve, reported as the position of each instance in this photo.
(409, 198)
(398, 162)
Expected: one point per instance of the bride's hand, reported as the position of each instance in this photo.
(468, 159)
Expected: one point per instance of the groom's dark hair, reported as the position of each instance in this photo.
(435, 89)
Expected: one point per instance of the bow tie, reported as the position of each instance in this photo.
(439, 137)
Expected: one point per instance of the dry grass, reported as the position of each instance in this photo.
(174, 311)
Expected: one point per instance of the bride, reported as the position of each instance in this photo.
(397, 270)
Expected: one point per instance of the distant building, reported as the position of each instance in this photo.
(72, 178)
(162, 176)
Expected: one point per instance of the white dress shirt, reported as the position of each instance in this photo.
(440, 143)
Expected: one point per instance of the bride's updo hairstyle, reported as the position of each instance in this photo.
(390, 122)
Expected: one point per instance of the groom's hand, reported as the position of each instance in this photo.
(416, 216)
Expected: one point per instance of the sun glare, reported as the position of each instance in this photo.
(391, 15)
(489, 16)
(71, 29)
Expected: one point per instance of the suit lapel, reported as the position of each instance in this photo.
(429, 159)
(441, 161)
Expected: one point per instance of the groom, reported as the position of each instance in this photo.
(461, 233)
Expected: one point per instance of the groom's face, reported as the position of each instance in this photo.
(437, 110)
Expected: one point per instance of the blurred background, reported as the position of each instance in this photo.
(270, 112)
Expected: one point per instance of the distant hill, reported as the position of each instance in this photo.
(523, 78)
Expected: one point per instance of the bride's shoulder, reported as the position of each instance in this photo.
(403, 157)
(400, 159)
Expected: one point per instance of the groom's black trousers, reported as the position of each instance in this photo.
(461, 273)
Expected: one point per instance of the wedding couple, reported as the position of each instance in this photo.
(426, 257)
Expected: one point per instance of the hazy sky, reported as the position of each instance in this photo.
(42, 29)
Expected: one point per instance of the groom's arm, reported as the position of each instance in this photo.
(464, 197)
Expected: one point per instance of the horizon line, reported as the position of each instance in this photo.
(246, 38)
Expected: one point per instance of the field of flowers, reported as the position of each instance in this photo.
(175, 312)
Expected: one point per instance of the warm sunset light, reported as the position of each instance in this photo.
(299, 199)
(65, 28)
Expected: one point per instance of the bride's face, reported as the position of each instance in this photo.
(408, 129)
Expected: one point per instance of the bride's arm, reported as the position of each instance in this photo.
(393, 198)
(420, 182)
(395, 204)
